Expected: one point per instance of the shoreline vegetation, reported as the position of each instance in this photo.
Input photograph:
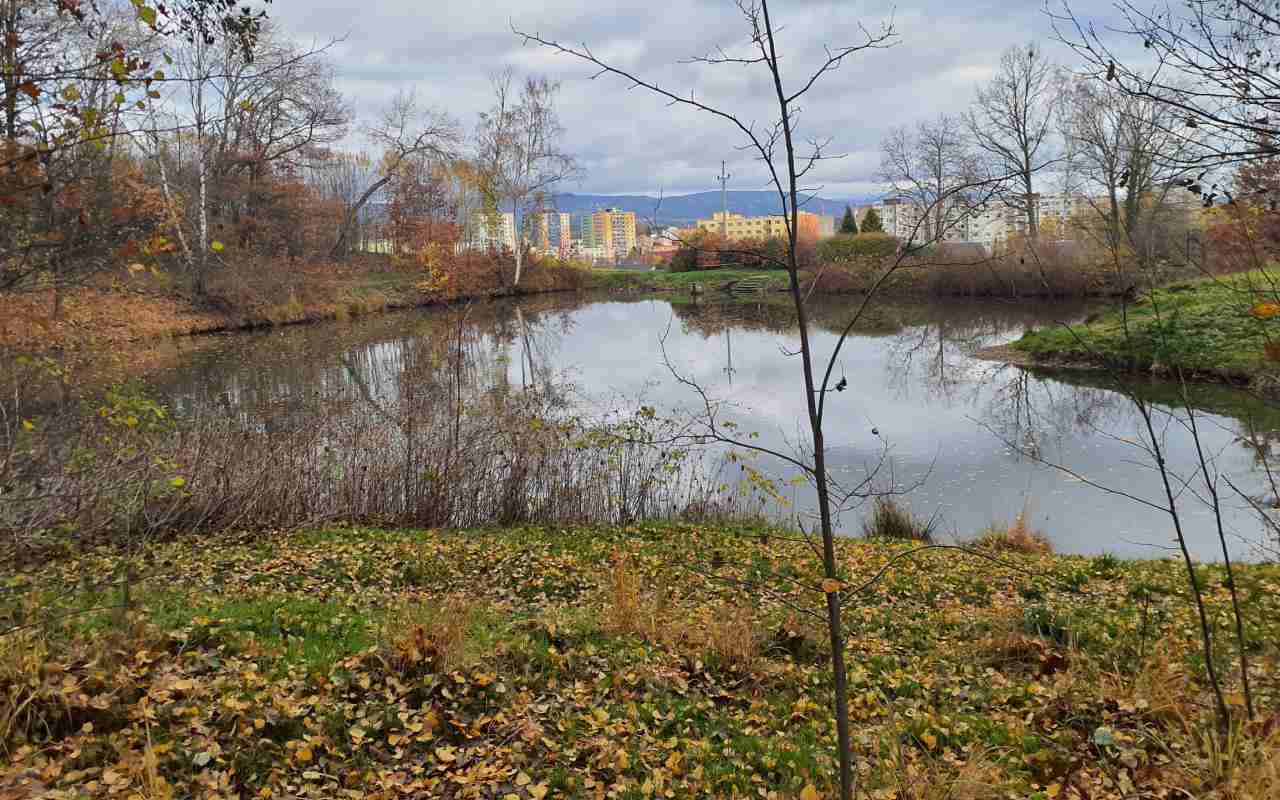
(618, 661)
(1217, 328)
(151, 305)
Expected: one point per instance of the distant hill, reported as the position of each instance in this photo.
(683, 209)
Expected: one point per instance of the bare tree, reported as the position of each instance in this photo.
(276, 108)
(1120, 148)
(780, 147)
(1213, 65)
(933, 167)
(519, 155)
(404, 133)
(1011, 123)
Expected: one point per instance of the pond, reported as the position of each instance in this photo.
(969, 442)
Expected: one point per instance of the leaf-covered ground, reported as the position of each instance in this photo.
(620, 663)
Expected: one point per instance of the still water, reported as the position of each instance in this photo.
(973, 441)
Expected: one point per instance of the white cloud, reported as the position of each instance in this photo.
(633, 141)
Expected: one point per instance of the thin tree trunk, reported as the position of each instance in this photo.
(1206, 637)
(9, 41)
(516, 245)
(171, 209)
(202, 251)
(1212, 486)
(834, 623)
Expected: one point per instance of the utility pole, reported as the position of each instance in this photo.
(724, 202)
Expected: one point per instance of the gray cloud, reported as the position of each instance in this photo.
(630, 141)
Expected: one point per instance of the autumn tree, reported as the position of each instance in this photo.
(518, 152)
(73, 80)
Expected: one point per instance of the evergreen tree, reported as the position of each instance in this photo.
(871, 222)
(850, 223)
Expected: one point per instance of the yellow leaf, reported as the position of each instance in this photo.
(446, 754)
(809, 793)
(930, 740)
(304, 754)
(830, 586)
(28, 425)
(523, 779)
(538, 792)
(216, 246)
(1052, 790)
(1265, 310)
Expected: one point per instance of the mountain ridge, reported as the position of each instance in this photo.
(676, 209)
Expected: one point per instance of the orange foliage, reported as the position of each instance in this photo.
(1245, 235)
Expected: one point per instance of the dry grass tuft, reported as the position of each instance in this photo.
(1011, 650)
(731, 636)
(1016, 537)
(891, 520)
(23, 693)
(726, 633)
(431, 636)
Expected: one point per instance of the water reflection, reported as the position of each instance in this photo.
(974, 434)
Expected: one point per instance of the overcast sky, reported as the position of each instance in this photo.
(630, 141)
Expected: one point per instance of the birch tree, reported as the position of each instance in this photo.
(518, 152)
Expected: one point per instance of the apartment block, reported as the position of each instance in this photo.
(737, 226)
(493, 231)
(608, 234)
(987, 223)
(550, 233)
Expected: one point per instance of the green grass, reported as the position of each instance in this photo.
(1203, 327)
(711, 280)
(293, 631)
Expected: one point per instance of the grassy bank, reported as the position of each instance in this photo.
(939, 275)
(713, 280)
(617, 662)
(1221, 327)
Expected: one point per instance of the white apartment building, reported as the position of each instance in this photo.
(987, 224)
(486, 235)
(904, 218)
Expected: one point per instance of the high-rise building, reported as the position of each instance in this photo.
(609, 233)
(551, 232)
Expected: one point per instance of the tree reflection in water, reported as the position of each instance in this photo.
(976, 428)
